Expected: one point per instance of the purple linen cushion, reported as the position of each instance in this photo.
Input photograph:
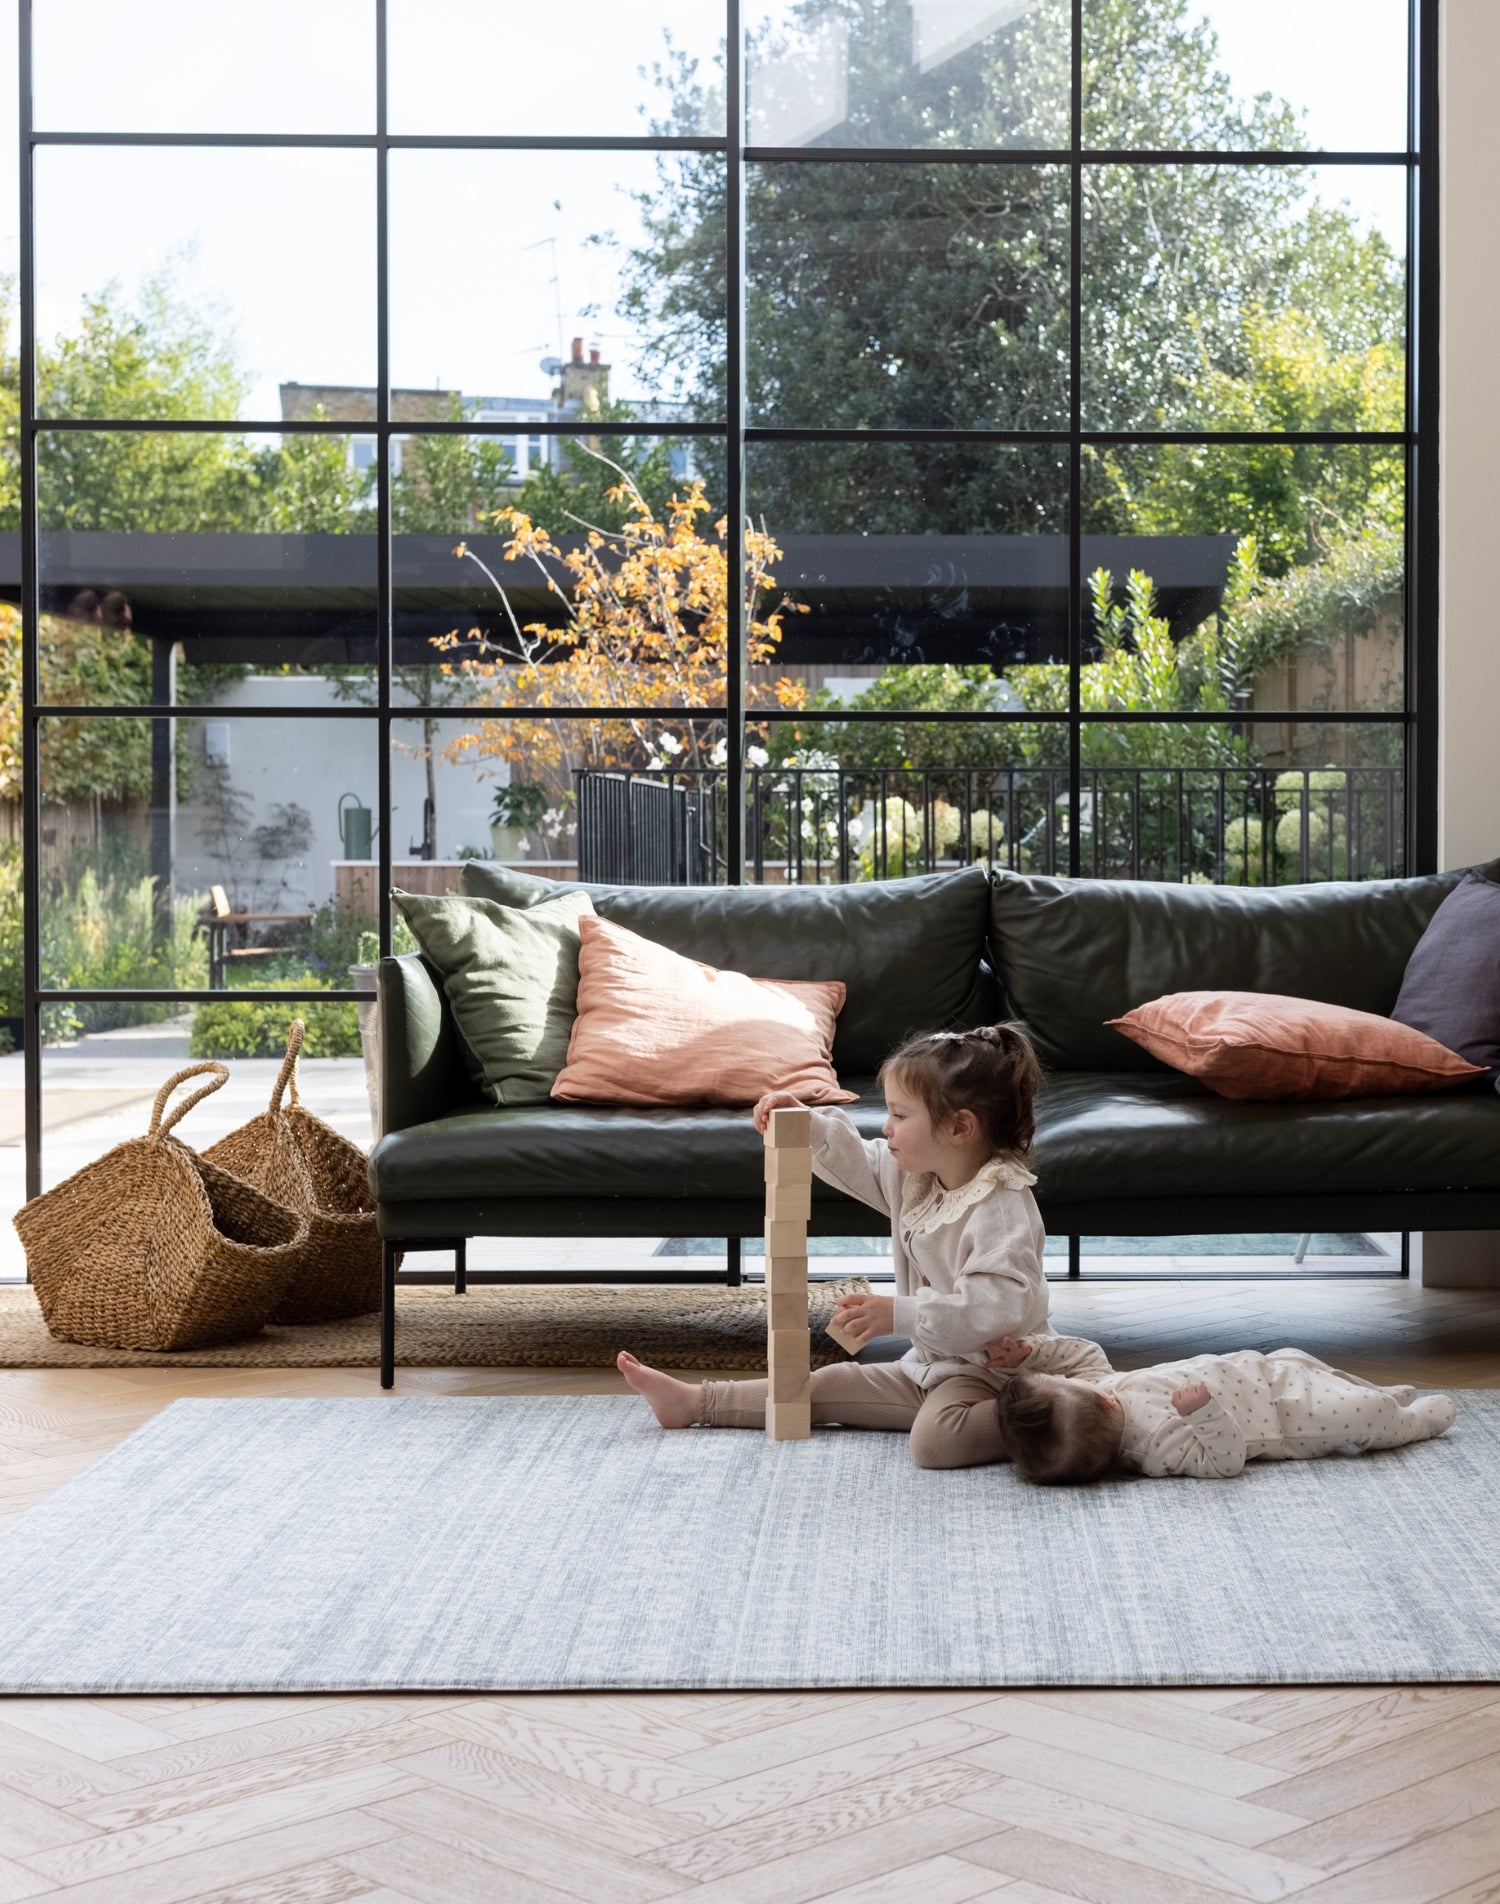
(1451, 989)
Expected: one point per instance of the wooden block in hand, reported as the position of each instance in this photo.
(789, 1421)
(789, 1130)
(788, 1166)
(788, 1202)
(848, 1343)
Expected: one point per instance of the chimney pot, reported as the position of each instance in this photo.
(594, 354)
(577, 350)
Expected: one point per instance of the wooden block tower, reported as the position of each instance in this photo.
(788, 1207)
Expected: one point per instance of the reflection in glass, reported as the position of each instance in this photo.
(218, 282)
(1271, 575)
(1223, 76)
(628, 801)
(468, 66)
(907, 295)
(1268, 804)
(183, 853)
(489, 615)
(920, 73)
(602, 285)
(161, 66)
(924, 570)
(175, 565)
(1238, 298)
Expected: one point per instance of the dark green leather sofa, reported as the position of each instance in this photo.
(1125, 1146)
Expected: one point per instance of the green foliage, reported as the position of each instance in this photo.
(574, 496)
(101, 934)
(247, 1029)
(936, 294)
(446, 485)
(12, 975)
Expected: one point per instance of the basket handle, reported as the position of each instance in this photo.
(287, 1075)
(159, 1125)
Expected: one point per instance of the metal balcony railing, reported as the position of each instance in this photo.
(1244, 826)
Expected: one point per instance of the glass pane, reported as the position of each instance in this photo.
(203, 284)
(907, 296)
(1248, 297)
(182, 854)
(626, 802)
(499, 598)
(182, 567)
(468, 66)
(872, 800)
(920, 573)
(10, 188)
(98, 1087)
(1225, 76)
(176, 66)
(1244, 1253)
(601, 285)
(1244, 576)
(909, 73)
(1269, 804)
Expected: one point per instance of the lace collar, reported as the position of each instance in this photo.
(927, 1206)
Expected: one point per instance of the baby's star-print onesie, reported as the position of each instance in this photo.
(1282, 1406)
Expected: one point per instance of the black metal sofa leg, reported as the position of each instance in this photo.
(461, 1267)
(733, 1273)
(388, 1314)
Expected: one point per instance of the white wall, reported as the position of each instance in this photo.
(1469, 423)
(311, 763)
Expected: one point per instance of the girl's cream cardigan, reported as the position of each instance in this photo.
(968, 1261)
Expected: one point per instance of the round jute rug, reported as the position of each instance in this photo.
(493, 1326)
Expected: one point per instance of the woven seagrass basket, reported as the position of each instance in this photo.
(154, 1247)
(305, 1164)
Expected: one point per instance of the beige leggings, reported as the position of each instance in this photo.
(954, 1425)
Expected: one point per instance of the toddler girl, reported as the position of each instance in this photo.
(1065, 1415)
(951, 1174)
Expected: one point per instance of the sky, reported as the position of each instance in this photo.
(492, 264)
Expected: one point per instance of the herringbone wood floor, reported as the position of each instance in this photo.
(1354, 1795)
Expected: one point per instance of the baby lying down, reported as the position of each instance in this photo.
(1066, 1415)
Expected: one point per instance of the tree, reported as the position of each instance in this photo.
(643, 621)
(915, 294)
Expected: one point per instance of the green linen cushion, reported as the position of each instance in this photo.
(1074, 953)
(511, 978)
(909, 952)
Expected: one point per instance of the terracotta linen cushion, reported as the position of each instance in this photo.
(1262, 1045)
(656, 1028)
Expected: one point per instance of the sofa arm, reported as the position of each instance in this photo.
(422, 1074)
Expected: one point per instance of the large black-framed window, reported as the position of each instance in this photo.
(817, 200)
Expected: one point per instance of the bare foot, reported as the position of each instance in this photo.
(675, 1404)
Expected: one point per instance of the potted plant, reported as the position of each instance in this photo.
(517, 811)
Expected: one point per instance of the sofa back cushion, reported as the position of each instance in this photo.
(910, 952)
(1071, 953)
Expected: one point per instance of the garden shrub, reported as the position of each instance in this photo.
(248, 1028)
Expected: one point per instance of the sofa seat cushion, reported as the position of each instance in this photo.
(1100, 1135)
(1112, 1134)
(588, 1150)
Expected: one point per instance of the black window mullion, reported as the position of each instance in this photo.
(384, 595)
(1075, 439)
(31, 790)
(736, 631)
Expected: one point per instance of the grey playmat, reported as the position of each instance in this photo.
(500, 1543)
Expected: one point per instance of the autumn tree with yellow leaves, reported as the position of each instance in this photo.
(644, 624)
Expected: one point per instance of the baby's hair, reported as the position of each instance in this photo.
(1056, 1432)
(991, 1071)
